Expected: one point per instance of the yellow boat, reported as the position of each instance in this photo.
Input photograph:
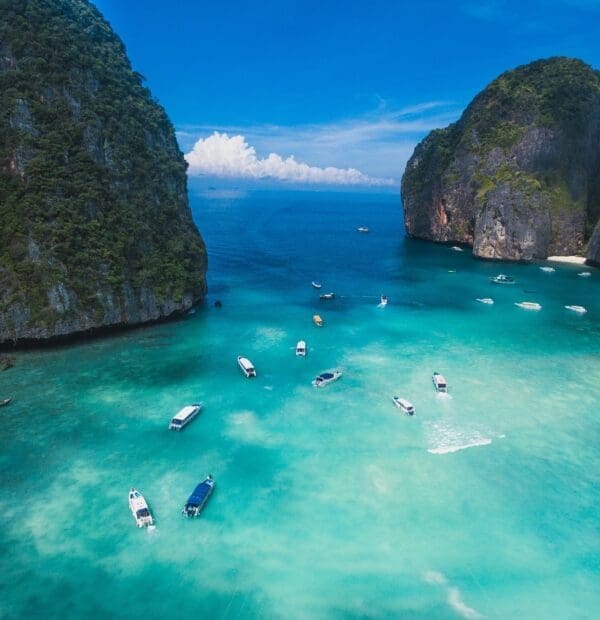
(317, 320)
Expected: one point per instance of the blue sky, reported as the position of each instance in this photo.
(335, 85)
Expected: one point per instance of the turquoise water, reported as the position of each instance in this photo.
(329, 503)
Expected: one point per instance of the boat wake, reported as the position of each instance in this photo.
(453, 594)
(448, 449)
(443, 438)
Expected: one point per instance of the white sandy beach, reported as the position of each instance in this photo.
(575, 260)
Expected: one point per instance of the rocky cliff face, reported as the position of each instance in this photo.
(95, 226)
(517, 176)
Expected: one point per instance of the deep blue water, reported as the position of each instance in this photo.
(329, 503)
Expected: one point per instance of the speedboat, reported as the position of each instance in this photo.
(383, 300)
(247, 367)
(456, 248)
(548, 269)
(184, 417)
(301, 348)
(327, 296)
(199, 497)
(439, 382)
(404, 405)
(485, 300)
(5, 402)
(585, 274)
(317, 320)
(362, 229)
(528, 305)
(578, 309)
(502, 279)
(326, 377)
(139, 508)
(316, 284)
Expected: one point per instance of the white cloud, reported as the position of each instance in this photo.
(222, 155)
(377, 143)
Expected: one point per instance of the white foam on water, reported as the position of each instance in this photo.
(484, 441)
(453, 594)
(446, 437)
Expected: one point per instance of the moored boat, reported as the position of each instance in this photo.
(578, 309)
(456, 248)
(548, 269)
(5, 402)
(485, 300)
(196, 501)
(439, 382)
(584, 274)
(301, 348)
(139, 509)
(502, 279)
(317, 320)
(316, 284)
(327, 296)
(362, 229)
(326, 377)
(404, 405)
(184, 417)
(247, 367)
(528, 305)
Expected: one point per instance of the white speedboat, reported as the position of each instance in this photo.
(184, 417)
(456, 248)
(362, 229)
(247, 367)
(585, 274)
(439, 383)
(548, 269)
(578, 309)
(327, 296)
(326, 377)
(404, 405)
(316, 284)
(485, 300)
(528, 305)
(383, 300)
(139, 509)
(502, 279)
(301, 348)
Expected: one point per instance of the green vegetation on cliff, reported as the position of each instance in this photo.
(94, 219)
(526, 152)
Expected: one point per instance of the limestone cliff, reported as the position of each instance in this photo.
(517, 177)
(95, 226)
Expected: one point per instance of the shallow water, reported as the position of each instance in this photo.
(329, 503)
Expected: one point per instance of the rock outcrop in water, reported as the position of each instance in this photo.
(95, 226)
(518, 176)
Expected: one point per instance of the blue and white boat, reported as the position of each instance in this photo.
(327, 377)
(199, 497)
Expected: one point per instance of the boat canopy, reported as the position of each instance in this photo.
(199, 494)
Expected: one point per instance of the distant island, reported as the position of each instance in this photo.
(95, 226)
(518, 176)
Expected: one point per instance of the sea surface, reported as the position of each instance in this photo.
(329, 503)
